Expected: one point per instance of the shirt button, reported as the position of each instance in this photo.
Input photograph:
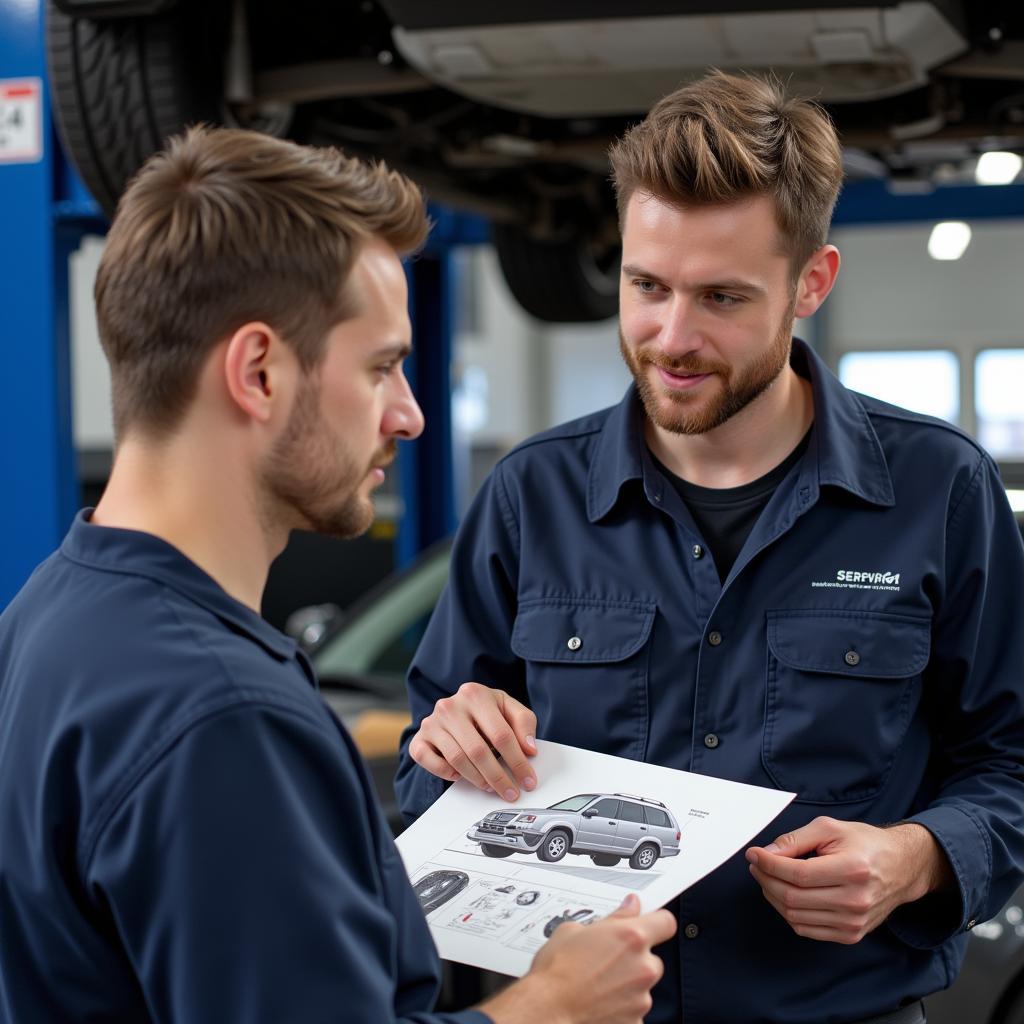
(711, 741)
(851, 658)
(574, 643)
(714, 638)
(691, 931)
(971, 923)
(698, 551)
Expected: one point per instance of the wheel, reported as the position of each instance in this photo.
(604, 860)
(490, 850)
(644, 857)
(554, 846)
(575, 279)
(121, 86)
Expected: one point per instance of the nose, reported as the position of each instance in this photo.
(680, 333)
(403, 417)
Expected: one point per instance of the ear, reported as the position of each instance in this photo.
(816, 280)
(256, 369)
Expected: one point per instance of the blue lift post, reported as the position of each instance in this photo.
(44, 210)
(426, 468)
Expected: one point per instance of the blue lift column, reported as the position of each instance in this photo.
(40, 203)
(426, 467)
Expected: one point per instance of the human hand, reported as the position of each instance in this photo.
(460, 737)
(860, 875)
(596, 974)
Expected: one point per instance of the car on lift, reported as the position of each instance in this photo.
(507, 107)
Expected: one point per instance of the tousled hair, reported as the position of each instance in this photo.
(726, 138)
(226, 226)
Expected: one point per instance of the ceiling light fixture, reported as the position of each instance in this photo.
(997, 168)
(949, 239)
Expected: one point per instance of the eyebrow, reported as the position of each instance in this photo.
(400, 350)
(732, 284)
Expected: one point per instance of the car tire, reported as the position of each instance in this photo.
(571, 280)
(604, 860)
(121, 86)
(554, 846)
(644, 857)
(438, 887)
(490, 850)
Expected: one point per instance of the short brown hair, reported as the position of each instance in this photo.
(226, 226)
(725, 138)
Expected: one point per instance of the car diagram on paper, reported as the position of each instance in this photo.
(496, 880)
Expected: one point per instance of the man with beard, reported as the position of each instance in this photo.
(747, 571)
(186, 832)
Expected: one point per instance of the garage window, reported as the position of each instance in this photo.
(926, 381)
(999, 401)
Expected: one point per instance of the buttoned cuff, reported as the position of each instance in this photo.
(940, 916)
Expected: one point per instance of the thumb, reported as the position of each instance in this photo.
(809, 839)
(629, 907)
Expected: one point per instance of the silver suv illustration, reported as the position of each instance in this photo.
(604, 826)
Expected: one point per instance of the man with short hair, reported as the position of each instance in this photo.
(747, 571)
(187, 834)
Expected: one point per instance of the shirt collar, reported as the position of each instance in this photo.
(134, 553)
(848, 452)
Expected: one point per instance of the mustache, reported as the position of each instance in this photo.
(385, 456)
(681, 365)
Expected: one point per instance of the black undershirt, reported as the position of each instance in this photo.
(726, 515)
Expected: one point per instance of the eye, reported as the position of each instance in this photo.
(723, 301)
(644, 287)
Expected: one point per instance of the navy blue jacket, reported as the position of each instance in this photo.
(186, 832)
(865, 651)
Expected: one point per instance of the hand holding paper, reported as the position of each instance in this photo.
(460, 738)
(597, 975)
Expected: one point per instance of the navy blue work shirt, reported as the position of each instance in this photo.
(186, 832)
(865, 651)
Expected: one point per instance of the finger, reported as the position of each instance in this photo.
(502, 737)
(808, 839)
(659, 926)
(629, 907)
(843, 936)
(449, 747)
(830, 915)
(472, 718)
(789, 895)
(427, 757)
(522, 720)
(817, 872)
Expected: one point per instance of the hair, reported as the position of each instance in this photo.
(223, 227)
(725, 138)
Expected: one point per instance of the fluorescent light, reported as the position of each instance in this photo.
(1016, 500)
(997, 168)
(949, 239)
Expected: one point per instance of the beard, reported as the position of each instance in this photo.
(310, 480)
(696, 414)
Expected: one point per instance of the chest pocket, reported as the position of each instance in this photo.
(841, 687)
(586, 670)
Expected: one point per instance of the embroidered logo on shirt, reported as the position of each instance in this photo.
(851, 579)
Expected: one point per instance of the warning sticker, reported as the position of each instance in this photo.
(21, 120)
